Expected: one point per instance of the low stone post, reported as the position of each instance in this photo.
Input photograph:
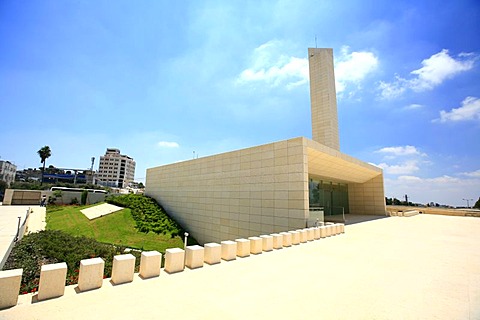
(287, 239)
(316, 231)
(123, 268)
(323, 231)
(243, 247)
(277, 241)
(194, 256)
(91, 274)
(310, 234)
(303, 235)
(256, 245)
(295, 237)
(229, 250)
(150, 264)
(174, 260)
(9, 287)
(212, 253)
(52, 281)
(267, 242)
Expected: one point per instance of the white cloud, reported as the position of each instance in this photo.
(434, 71)
(168, 144)
(470, 110)
(352, 68)
(269, 65)
(473, 174)
(400, 151)
(413, 106)
(406, 168)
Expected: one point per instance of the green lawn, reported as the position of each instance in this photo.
(116, 228)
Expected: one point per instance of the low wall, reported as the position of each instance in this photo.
(33, 197)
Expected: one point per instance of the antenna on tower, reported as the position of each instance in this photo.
(315, 41)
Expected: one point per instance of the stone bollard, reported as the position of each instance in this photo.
(174, 260)
(316, 232)
(91, 274)
(277, 241)
(287, 239)
(9, 287)
(52, 281)
(150, 264)
(310, 234)
(328, 226)
(243, 247)
(303, 235)
(123, 268)
(267, 242)
(342, 227)
(323, 231)
(212, 253)
(295, 237)
(194, 256)
(256, 245)
(229, 250)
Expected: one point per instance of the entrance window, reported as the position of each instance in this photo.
(330, 196)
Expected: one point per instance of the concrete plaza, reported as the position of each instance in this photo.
(421, 267)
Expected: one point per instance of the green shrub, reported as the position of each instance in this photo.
(148, 214)
(53, 246)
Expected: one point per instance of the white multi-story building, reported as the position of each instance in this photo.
(7, 171)
(115, 169)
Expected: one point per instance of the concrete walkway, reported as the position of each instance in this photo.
(421, 267)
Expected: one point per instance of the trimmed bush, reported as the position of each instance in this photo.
(148, 214)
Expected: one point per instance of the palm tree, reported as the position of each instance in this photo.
(44, 154)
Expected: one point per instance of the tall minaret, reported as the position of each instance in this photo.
(323, 97)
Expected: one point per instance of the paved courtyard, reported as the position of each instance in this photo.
(421, 267)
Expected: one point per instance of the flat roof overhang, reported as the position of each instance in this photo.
(331, 164)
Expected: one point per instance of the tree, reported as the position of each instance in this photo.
(141, 186)
(44, 154)
(477, 204)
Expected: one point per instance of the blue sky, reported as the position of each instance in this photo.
(162, 79)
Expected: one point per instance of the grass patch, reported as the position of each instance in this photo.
(116, 228)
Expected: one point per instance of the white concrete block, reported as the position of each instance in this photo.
(342, 227)
(303, 235)
(256, 245)
(287, 239)
(174, 260)
(150, 264)
(243, 247)
(316, 231)
(123, 268)
(295, 237)
(194, 256)
(212, 253)
(91, 274)
(9, 287)
(52, 281)
(277, 241)
(267, 242)
(310, 234)
(229, 250)
(323, 231)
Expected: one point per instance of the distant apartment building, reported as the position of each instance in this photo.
(115, 169)
(7, 171)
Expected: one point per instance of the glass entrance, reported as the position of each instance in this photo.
(330, 196)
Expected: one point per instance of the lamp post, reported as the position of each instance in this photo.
(468, 202)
